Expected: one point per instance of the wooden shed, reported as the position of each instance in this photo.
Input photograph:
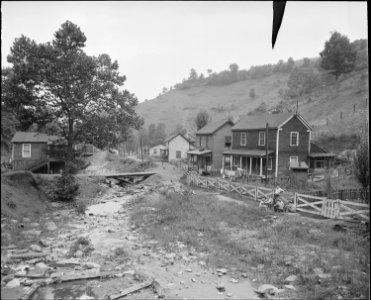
(298, 173)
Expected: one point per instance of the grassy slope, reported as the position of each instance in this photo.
(248, 240)
(181, 106)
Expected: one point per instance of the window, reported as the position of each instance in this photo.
(261, 138)
(26, 150)
(243, 139)
(228, 141)
(155, 151)
(178, 154)
(294, 138)
(293, 159)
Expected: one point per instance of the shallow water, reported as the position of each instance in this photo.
(65, 291)
(104, 209)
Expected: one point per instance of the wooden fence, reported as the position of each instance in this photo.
(357, 195)
(322, 206)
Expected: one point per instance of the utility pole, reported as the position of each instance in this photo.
(266, 154)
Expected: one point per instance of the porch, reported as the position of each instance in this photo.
(249, 162)
(200, 160)
(321, 160)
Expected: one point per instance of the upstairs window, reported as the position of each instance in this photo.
(294, 159)
(178, 154)
(199, 141)
(228, 141)
(261, 138)
(243, 139)
(294, 138)
(26, 150)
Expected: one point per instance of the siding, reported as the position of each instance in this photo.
(285, 150)
(178, 144)
(252, 139)
(37, 153)
(219, 145)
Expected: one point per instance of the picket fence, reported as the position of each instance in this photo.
(322, 206)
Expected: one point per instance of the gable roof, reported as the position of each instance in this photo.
(33, 137)
(158, 145)
(174, 136)
(213, 126)
(273, 120)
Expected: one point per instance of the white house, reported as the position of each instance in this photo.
(156, 151)
(178, 146)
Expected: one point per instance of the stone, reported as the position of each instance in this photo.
(229, 295)
(189, 270)
(13, 283)
(291, 278)
(233, 280)
(34, 224)
(260, 267)
(193, 279)
(267, 289)
(244, 275)
(35, 248)
(220, 288)
(51, 226)
(222, 271)
(86, 297)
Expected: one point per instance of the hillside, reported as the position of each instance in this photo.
(326, 101)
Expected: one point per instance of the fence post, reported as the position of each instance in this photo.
(230, 183)
(295, 199)
(256, 191)
(337, 210)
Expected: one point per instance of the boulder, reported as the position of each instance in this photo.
(13, 283)
(35, 248)
(291, 278)
(267, 289)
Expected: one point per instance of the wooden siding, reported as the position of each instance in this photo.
(252, 138)
(178, 144)
(285, 150)
(37, 154)
(219, 145)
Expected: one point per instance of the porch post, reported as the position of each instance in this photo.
(231, 162)
(250, 165)
(261, 166)
(223, 162)
(240, 162)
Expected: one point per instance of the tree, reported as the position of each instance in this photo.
(302, 81)
(193, 76)
(262, 108)
(202, 119)
(82, 94)
(252, 93)
(338, 57)
(160, 134)
(361, 161)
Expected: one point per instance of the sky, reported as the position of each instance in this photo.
(156, 43)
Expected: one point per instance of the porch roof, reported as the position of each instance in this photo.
(298, 165)
(244, 152)
(199, 152)
(320, 155)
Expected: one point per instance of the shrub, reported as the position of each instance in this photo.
(83, 244)
(80, 208)
(66, 188)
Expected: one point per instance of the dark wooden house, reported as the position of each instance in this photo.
(30, 152)
(288, 140)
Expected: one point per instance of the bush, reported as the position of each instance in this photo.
(80, 208)
(67, 188)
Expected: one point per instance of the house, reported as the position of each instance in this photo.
(178, 146)
(29, 152)
(211, 141)
(157, 151)
(288, 140)
(319, 158)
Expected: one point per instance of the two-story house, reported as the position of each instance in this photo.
(211, 141)
(288, 140)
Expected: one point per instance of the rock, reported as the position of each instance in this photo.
(193, 280)
(8, 278)
(222, 271)
(50, 226)
(260, 267)
(220, 288)
(14, 221)
(56, 205)
(233, 280)
(291, 278)
(26, 220)
(244, 275)
(43, 243)
(189, 270)
(31, 232)
(290, 287)
(229, 295)
(42, 265)
(110, 230)
(267, 289)
(13, 283)
(34, 224)
(35, 248)
(320, 274)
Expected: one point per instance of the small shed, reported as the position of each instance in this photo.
(298, 173)
(156, 151)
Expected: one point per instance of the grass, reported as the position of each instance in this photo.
(82, 244)
(243, 238)
(122, 164)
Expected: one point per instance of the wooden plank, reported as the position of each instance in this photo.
(31, 291)
(28, 255)
(310, 196)
(131, 289)
(129, 174)
(353, 203)
(354, 212)
(311, 204)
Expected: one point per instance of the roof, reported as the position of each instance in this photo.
(33, 137)
(298, 165)
(213, 126)
(273, 120)
(321, 154)
(159, 145)
(316, 149)
(174, 136)
(199, 152)
(254, 152)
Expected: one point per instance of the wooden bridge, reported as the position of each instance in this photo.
(130, 178)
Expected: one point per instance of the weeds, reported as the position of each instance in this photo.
(246, 238)
(80, 207)
(82, 244)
